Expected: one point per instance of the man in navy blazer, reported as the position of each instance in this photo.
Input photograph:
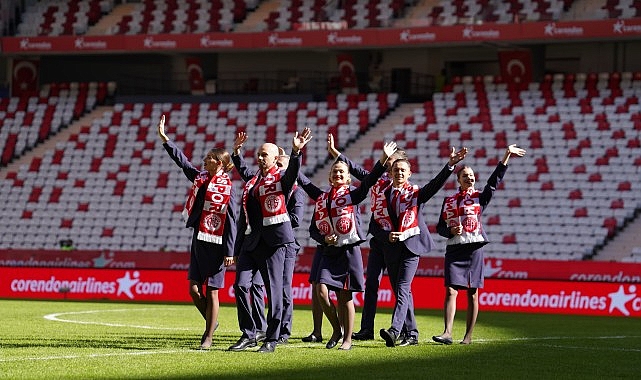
(267, 236)
(406, 238)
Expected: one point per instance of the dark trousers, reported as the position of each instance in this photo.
(288, 302)
(258, 294)
(269, 261)
(401, 268)
(374, 272)
(258, 302)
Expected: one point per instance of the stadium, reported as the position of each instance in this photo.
(93, 248)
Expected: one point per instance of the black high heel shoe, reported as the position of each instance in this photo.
(311, 338)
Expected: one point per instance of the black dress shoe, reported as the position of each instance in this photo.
(243, 344)
(442, 340)
(409, 341)
(389, 337)
(311, 338)
(331, 344)
(267, 347)
(260, 336)
(283, 340)
(363, 335)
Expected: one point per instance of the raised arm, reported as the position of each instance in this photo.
(354, 169)
(239, 162)
(497, 175)
(175, 153)
(430, 189)
(291, 173)
(361, 192)
(313, 191)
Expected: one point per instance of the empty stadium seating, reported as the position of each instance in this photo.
(573, 189)
(28, 121)
(56, 17)
(112, 186)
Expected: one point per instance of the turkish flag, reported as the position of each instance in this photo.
(516, 67)
(25, 77)
(195, 75)
(347, 73)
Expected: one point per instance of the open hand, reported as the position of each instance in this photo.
(301, 139)
(456, 157)
(161, 129)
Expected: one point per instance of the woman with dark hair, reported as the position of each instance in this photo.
(337, 229)
(460, 223)
(209, 211)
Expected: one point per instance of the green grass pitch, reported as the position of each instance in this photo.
(94, 340)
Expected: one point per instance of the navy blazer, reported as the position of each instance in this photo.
(276, 234)
(422, 243)
(484, 199)
(191, 172)
(357, 194)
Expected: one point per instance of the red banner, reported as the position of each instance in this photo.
(195, 75)
(516, 68)
(555, 297)
(25, 77)
(461, 34)
(495, 268)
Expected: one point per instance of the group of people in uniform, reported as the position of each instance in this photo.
(259, 238)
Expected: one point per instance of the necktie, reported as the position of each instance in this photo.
(395, 195)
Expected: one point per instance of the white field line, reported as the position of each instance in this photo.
(57, 317)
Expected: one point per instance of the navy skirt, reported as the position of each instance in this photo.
(343, 271)
(464, 266)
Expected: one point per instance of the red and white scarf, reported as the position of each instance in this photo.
(342, 220)
(464, 208)
(214, 213)
(379, 203)
(270, 196)
(407, 211)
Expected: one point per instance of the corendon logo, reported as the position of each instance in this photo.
(552, 29)
(470, 32)
(496, 270)
(80, 43)
(407, 36)
(335, 39)
(27, 44)
(128, 285)
(274, 40)
(620, 27)
(150, 42)
(622, 301)
(107, 261)
(205, 41)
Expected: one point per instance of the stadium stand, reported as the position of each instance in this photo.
(95, 186)
(580, 132)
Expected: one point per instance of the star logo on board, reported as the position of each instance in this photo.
(125, 284)
(272, 39)
(490, 270)
(467, 32)
(331, 38)
(405, 35)
(549, 29)
(620, 298)
(79, 43)
(102, 261)
(618, 26)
